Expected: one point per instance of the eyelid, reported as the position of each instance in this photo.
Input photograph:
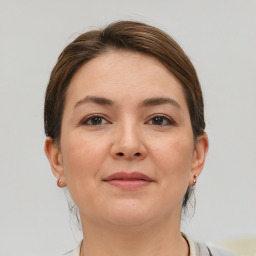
(170, 120)
(87, 118)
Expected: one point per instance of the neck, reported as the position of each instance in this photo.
(161, 239)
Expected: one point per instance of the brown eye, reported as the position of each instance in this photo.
(160, 120)
(94, 121)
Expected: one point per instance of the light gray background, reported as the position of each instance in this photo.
(220, 38)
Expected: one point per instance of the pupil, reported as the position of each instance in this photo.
(158, 120)
(96, 120)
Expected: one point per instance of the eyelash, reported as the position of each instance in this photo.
(168, 120)
(164, 118)
(89, 118)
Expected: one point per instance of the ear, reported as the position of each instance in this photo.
(54, 156)
(199, 156)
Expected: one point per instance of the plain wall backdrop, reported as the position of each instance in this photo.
(219, 36)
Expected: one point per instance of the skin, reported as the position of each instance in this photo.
(130, 135)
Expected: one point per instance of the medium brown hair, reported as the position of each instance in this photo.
(122, 35)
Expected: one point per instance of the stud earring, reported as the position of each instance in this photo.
(58, 182)
(195, 177)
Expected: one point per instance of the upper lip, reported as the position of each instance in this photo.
(127, 176)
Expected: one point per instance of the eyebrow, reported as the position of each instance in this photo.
(160, 101)
(146, 103)
(93, 99)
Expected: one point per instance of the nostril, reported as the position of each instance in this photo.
(138, 154)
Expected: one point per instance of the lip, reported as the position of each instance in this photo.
(128, 181)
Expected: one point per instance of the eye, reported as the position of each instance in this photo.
(94, 120)
(161, 120)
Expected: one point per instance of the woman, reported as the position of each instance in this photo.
(124, 121)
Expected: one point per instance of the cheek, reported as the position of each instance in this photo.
(173, 159)
(82, 157)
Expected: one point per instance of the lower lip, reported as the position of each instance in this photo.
(129, 184)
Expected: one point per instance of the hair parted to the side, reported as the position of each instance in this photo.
(130, 36)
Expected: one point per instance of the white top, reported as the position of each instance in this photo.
(191, 245)
(76, 252)
(196, 249)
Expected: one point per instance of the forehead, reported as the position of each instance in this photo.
(124, 74)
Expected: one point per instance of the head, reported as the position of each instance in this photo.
(130, 39)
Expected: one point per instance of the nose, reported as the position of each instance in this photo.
(128, 143)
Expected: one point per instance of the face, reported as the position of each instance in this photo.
(127, 151)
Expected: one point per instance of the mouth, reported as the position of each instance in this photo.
(128, 181)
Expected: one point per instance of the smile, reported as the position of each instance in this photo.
(128, 181)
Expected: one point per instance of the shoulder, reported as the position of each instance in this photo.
(70, 253)
(75, 252)
(204, 250)
(201, 249)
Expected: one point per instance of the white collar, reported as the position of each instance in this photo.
(191, 245)
(192, 251)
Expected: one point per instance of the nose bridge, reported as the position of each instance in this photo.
(129, 134)
(128, 140)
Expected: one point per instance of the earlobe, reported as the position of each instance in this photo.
(54, 156)
(199, 156)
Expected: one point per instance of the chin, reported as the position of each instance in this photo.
(128, 220)
(130, 213)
